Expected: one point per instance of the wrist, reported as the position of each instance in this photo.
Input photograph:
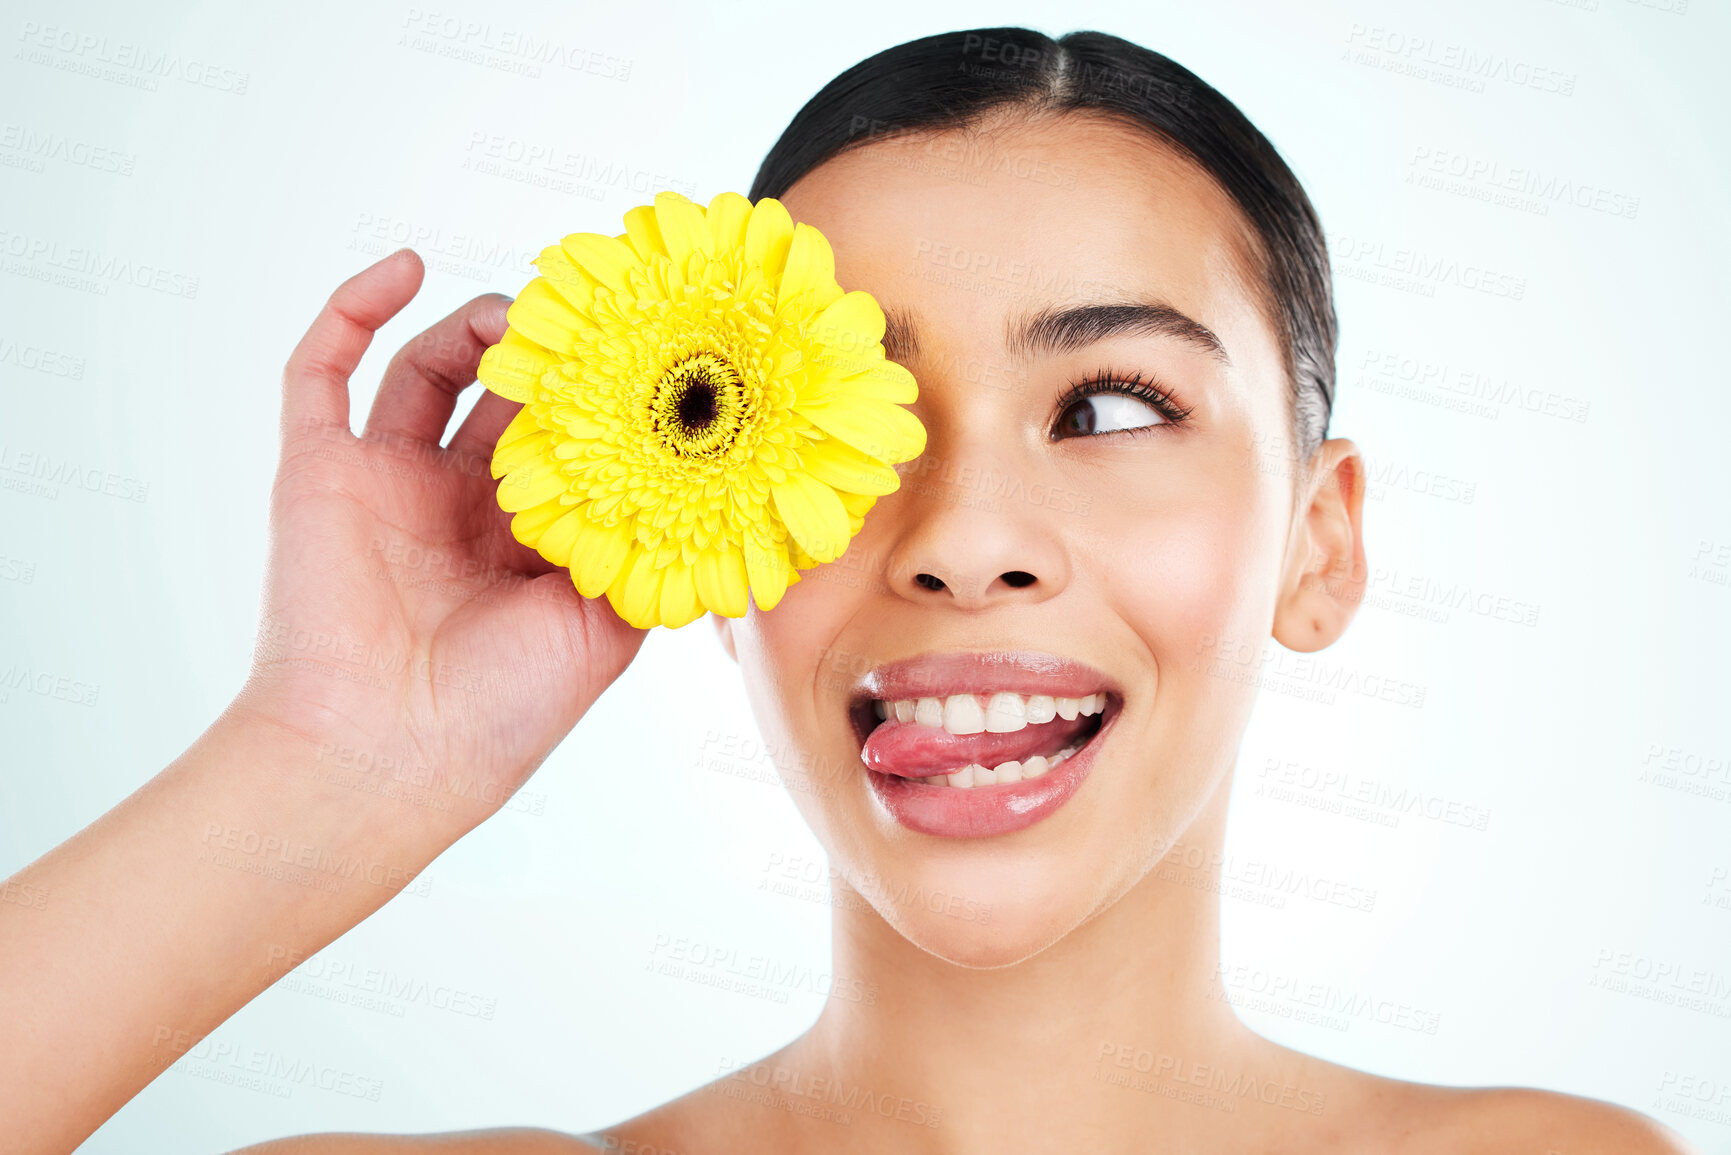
(321, 809)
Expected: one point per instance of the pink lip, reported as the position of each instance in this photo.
(987, 810)
(1012, 671)
(982, 811)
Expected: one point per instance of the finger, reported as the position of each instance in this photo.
(315, 389)
(480, 430)
(420, 386)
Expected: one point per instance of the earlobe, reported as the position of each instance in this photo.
(724, 629)
(1326, 573)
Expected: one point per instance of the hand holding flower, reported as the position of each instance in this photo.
(400, 618)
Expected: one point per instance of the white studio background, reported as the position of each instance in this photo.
(1533, 373)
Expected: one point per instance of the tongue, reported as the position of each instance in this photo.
(910, 750)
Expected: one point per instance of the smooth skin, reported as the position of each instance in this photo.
(1101, 944)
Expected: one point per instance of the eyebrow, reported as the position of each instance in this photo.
(1064, 330)
(901, 340)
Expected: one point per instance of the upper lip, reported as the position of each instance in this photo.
(938, 675)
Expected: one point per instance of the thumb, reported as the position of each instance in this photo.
(584, 631)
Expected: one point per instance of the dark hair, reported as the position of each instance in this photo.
(950, 80)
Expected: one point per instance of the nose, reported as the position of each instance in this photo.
(969, 537)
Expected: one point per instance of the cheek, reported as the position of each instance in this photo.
(789, 656)
(775, 659)
(1185, 578)
(807, 654)
(797, 679)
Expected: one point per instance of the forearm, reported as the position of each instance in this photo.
(172, 911)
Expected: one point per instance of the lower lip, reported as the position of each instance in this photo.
(982, 811)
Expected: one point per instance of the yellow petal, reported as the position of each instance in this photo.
(727, 217)
(858, 504)
(557, 539)
(721, 580)
(887, 432)
(607, 259)
(838, 464)
(522, 425)
(643, 233)
(768, 235)
(580, 427)
(885, 381)
(546, 318)
(597, 555)
(809, 278)
(521, 452)
(851, 330)
(569, 281)
(514, 367)
(813, 514)
(531, 484)
(767, 569)
(683, 229)
(616, 588)
(679, 604)
(528, 526)
(636, 592)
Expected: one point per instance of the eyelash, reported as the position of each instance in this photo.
(1107, 380)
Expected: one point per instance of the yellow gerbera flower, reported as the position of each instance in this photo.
(704, 409)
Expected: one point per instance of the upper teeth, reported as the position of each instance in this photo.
(1001, 713)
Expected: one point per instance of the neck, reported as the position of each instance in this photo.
(1111, 1027)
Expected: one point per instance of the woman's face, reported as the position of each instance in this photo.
(1040, 547)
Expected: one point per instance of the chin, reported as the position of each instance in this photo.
(982, 914)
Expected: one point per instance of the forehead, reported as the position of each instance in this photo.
(977, 227)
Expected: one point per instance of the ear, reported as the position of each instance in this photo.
(724, 628)
(1325, 569)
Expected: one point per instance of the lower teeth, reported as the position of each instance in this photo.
(974, 774)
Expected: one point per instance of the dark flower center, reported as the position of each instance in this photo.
(697, 405)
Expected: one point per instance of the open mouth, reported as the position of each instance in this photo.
(968, 745)
(969, 741)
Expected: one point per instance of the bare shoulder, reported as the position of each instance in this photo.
(1522, 1121)
(1375, 1113)
(1547, 1121)
(500, 1141)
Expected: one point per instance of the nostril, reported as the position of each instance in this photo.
(930, 582)
(1017, 578)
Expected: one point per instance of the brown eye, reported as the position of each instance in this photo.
(1106, 413)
